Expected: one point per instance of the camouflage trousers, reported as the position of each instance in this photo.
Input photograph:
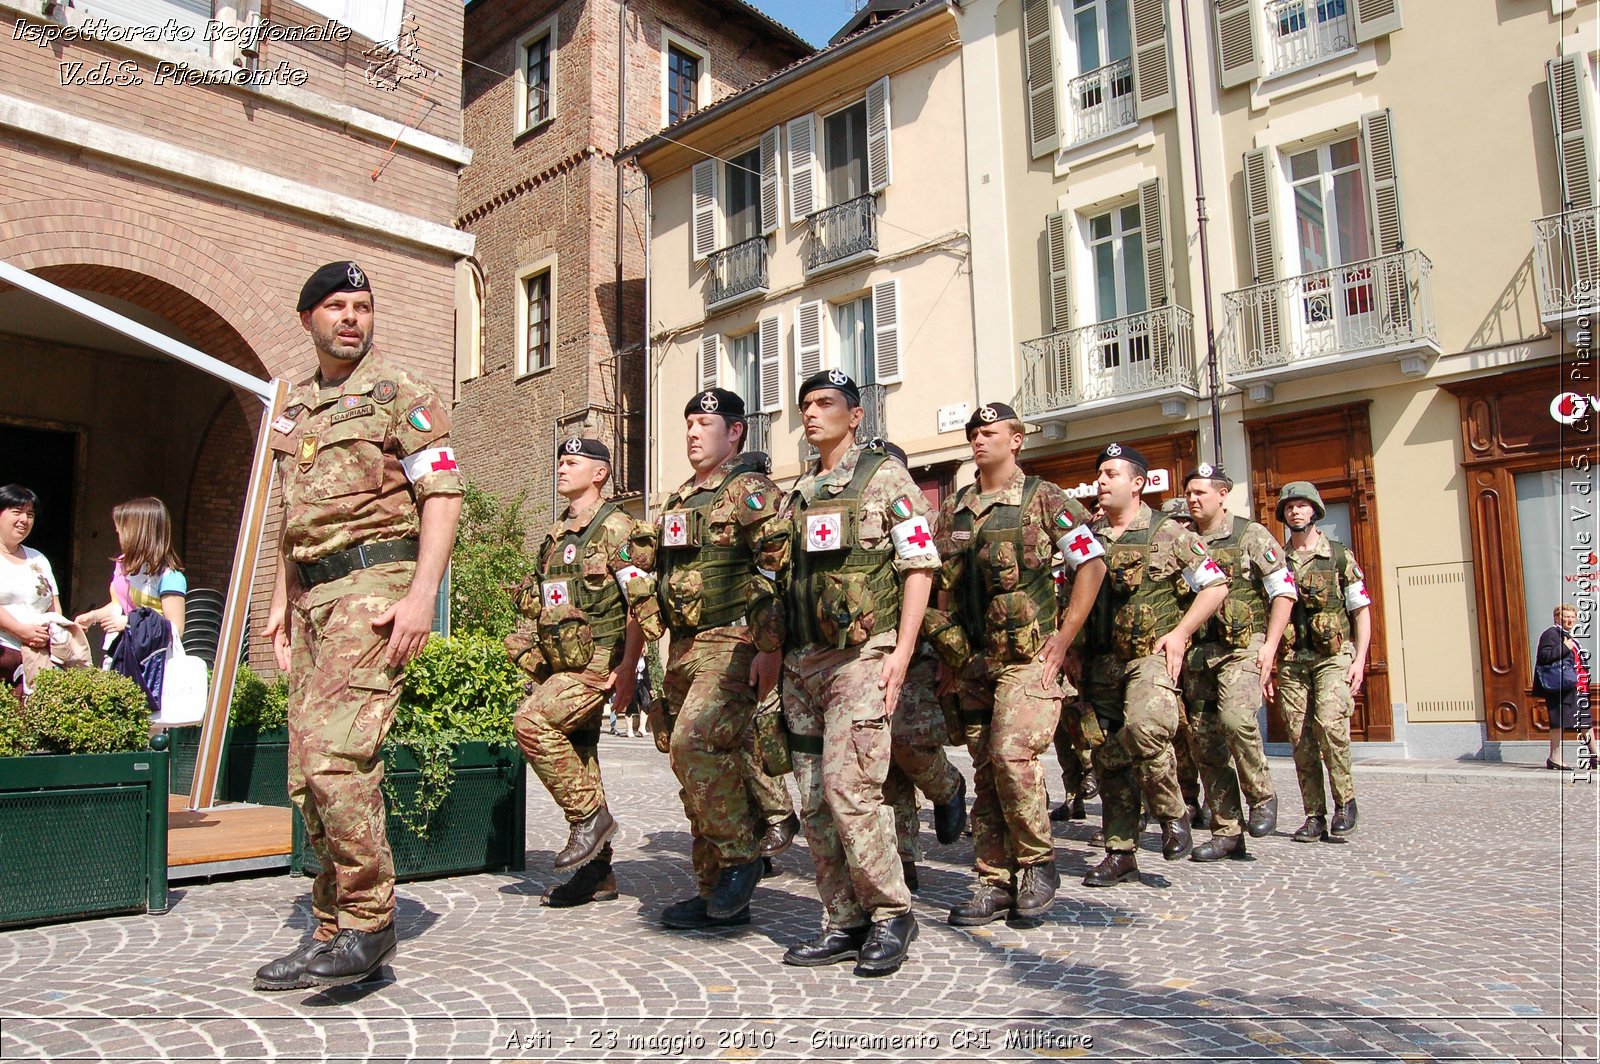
(1223, 699)
(1010, 718)
(708, 692)
(1317, 705)
(1076, 765)
(342, 698)
(768, 794)
(917, 735)
(1185, 757)
(558, 728)
(839, 737)
(1137, 756)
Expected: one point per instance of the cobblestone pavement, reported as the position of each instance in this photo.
(1459, 924)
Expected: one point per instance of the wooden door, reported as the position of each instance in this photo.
(1332, 448)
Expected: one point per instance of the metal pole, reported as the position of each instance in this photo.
(1214, 377)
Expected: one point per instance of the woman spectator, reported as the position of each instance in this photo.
(1569, 709)
(27, 586)
(148, 573)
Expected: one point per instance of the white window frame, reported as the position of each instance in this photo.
(824, 195)
(545, 266)
(727, 371)
(833, 339)
(1090, 297)
(724, 171)
(1067, 61)
(671, 39)
(1292, 256)
(545, 29)
(1269, 39)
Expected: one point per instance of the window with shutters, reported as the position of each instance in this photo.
(1265, 38)
(735, 207)
(1100, 97)
(194, 16)
(1566, 245)
(1302, 32)
(1332, 229)
(744, 368)
(741, 183)
(536, 68)
(844, 153)
(536, 320)
(852, 333)
(1116, 254)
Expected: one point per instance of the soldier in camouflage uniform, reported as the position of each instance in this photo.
(1183, 738)
(592, 604)
(862, 565)
(371, 497)
(1003, 644)
(1229, 671)
(1161, 587)
(722, 549)
(1326, 661)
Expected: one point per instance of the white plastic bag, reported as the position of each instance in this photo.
(183, 690)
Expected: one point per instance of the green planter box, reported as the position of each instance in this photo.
(479, 828)
(255, 770)
(82, 835)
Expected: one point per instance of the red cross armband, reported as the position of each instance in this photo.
(1356, 597)
(1280, 584)
(1203, 574)
(429, 460)
(914, 540)
(1080, 545)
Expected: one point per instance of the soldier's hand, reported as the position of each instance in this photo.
(1054, 656)
(409, 620)
(1173, 644)
(1354, 675)
(891, 679)
(657, 719)
(1267, 665)
(764, 671)
(623, 682)
(277, 633)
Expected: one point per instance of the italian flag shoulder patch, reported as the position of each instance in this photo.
(901, 508)
(420, 419)
(755, 500)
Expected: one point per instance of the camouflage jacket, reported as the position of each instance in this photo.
(346, 456)
(890, 490)
(1327, 590)
(1158, 580)
(742, 513)
(621, 546)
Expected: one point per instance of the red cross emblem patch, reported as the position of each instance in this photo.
(570, 553)
(824, 532)
(675, 529)
(555, 592)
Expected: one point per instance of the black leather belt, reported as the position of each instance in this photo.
(342, 564)
(806, 744)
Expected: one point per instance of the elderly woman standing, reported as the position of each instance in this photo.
(27, 586)
(1569, 709)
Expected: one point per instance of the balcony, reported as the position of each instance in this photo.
(1101, 101)
(737, 272)
(1369, 312)
(1304, 32)
(842, 234)
(758, 433)
(874, 421)
(1115, 364)
(1566, 259)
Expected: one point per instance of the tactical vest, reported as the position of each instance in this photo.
(808, 568)
(1132, 611)
(724, 571)
(1243, 614)
(979, 583)
(1320, 622)
(606, 609)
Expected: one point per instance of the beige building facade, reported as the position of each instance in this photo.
(818, 219)
(1393, 295)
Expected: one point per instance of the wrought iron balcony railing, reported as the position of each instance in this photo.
(843, 233)
(1101, 101)
(1378, 306)
(1566, 259)
(1140, 356)
(737, 271)
(758, 433)
(1305, 31)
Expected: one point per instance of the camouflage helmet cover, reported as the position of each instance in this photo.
(1301, 489)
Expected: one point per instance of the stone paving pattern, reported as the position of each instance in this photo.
(1459, 924)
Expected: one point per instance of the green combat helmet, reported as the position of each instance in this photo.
(1301, 489)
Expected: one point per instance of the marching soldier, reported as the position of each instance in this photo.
(1230, 668)
(592, 603)
(1327, 660)
(862, 565)
(1183, 738)
(1003, 646)
(1139, 633)
(371, 497)
(722, 547)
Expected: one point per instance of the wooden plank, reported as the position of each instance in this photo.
(226, 833)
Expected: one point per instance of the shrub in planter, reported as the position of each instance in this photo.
(255, 768)
(16, 736)
(87, 711)
(257, 703)
(488, 558)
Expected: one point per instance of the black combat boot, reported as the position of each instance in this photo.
(1344, 818)
(289, 973)
(588, 835)
(886, 945)
(1263, 818)
(1036, 889)
(352, 957)
(949, 818)
(690, 915)
(735, 887)
(909, 870)
(1315, 827)
(831, 947)
(1117, 868)
(1218, 847)
(593, 882)
(780, 833)
(988, 903)
(1176, 839)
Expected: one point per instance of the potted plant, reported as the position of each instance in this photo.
(255, 767)
(454, 779)
(83, 803)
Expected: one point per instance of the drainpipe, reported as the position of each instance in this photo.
(1205, 256)
(647, 353)
(622, 138)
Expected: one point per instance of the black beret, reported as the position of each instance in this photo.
(716, 401)
(831, 378)
(988, 414)
(334, 277)
(1206, 471)
(587, 449)
(893, 450)
(1124, 452)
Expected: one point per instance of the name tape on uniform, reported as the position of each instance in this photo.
(1080, 545)
(912, 539)
(430, 460)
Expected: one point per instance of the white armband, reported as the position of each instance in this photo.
(430, 460)
(1280, 584)
(1356, 597)
(1080, 545)
(1203, 575)
(914, 540)
(628, 573)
